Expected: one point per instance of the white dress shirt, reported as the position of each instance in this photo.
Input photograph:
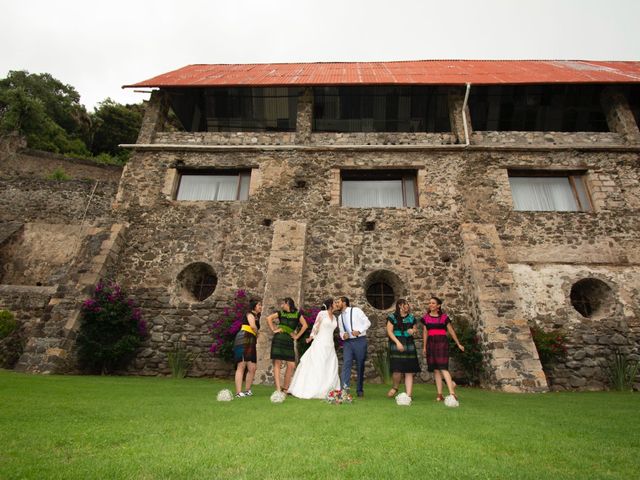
(348, 322)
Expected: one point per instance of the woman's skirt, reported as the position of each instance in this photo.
(244, 347)
(406, 361)
(437, 353)
(282, 347)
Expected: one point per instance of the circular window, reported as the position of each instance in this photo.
(383, 289)
(380, 295)
(198, 281)
(591, 296)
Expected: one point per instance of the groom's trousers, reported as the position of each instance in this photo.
(354, 349)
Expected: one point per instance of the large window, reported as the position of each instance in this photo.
(546, 108)
(235, 109)
(214, 185)
(549, 191)
(380, 109)
(379, 188)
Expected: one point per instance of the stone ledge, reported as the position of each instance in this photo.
(154, 147)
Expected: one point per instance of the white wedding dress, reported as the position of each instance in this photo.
(317, 373)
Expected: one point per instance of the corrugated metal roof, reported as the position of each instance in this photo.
(423, 72)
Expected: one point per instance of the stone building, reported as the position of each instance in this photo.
(508, 188)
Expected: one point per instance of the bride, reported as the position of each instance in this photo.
(317, 373)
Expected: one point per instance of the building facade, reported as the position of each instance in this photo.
(509, 189)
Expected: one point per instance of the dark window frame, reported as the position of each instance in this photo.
(382, 300)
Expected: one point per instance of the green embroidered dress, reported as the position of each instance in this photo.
(282, 345)
(406, 361)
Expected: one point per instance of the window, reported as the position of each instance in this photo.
(542, 108)
(379, 188)
(214, 185)
(197, 281)
(591, 297)
(549, 191)
(381, 109)
(380, 295)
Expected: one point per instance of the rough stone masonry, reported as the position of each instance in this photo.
(500, 269)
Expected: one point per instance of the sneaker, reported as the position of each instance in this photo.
(241, 395)
(248, 393)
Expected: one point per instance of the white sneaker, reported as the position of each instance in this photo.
(248, 393)
(241, 395)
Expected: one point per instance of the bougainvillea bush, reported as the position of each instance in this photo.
(551, 345)
(471, 360)
(111, 330)
(224, 329)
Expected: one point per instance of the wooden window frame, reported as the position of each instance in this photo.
(240, 173)
(571, 175)
(404, 175)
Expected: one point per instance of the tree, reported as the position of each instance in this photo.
(46, 111)
(113, 124)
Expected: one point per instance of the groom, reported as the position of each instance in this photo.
(353, 325)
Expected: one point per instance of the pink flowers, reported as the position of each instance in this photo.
(224, 328)
(338, 397)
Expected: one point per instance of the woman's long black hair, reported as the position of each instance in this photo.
(398, 315)
(292, 305)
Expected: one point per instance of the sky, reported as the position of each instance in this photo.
(99, 46)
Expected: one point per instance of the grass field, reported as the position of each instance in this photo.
(145, 428)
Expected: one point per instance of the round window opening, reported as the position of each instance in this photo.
(591, 297)
(198, 281)
(382, 289)
(380, 295)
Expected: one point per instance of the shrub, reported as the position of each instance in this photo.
(382, 364)
(59, 174)
(310, 315)
(224, 329)
(111, 330)
(622, 371)
(551, 345)
(180, 360)
(12, 340)
(7, 323)
(471, 360)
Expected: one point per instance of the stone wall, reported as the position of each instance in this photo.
(57, 239)
(501, 270)
(456, 187)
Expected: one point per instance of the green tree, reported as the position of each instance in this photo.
(113, 124)
(46, 111)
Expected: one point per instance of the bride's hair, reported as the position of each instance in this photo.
(326, 304)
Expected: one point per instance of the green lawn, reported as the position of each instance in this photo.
(146, 428)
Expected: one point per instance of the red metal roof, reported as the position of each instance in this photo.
(423, 72)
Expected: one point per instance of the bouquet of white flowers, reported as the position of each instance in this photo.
(225, 395)
(403, 400)
(278, 397)
(451, 401)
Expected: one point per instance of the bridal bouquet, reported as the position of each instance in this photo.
(336, 397)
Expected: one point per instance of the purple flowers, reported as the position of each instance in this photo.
(110, 300)
(225, 327)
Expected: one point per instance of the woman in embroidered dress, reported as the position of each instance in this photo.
(401, 326)
(244, 348)
(282, 346)
(317, 373)
(436, 324)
